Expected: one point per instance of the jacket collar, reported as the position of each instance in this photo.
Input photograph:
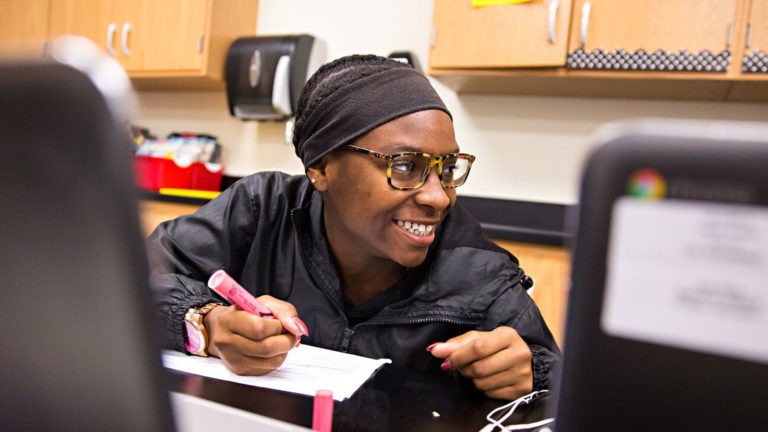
(313, 247)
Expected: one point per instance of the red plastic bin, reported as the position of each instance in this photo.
(147, 172)
(156, 173)
(206, 176)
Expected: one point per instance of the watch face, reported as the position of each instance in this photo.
(194, 342)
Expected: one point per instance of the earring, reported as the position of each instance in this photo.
(313, 181)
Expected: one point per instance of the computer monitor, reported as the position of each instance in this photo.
(77, 350)
(667, 321)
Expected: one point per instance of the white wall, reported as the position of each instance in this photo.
(528, 148)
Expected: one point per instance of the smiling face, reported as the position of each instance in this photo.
(368, 223)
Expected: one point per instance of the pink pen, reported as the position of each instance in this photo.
(223, 284)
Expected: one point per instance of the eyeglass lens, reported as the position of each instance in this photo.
(410, 170)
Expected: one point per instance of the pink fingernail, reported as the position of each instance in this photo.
(429, 348)
(301, 326)
(298, 341)
(446, 366)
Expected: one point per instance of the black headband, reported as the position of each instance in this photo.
(363, 106)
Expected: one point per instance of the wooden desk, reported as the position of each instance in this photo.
(395, 399)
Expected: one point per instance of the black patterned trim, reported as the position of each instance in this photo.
(755, 62)
(640, 60)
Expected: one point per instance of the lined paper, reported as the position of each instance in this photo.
(305, 370)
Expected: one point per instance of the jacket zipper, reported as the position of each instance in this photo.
(350, 331)
(413, 321)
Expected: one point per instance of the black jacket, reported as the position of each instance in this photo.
(266, 231)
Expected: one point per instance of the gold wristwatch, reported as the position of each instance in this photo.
(196, 340)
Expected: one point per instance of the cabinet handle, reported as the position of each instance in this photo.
(585, 10)
(553, 5)
(124, 39)
(111, 38)
(748, 42)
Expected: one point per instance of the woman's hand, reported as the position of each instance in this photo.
(249, 344)
(498, 362)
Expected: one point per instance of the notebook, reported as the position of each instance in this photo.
(667, 321)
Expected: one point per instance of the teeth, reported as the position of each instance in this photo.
(416, 228)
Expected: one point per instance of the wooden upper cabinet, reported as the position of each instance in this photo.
(23, 26)
(161, 43)
(162, 35)
(98, 25)
(755, 61)
(531, 34)
(679, 35)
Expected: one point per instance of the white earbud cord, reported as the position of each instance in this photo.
(494, 423)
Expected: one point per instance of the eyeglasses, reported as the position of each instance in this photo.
(409, 170)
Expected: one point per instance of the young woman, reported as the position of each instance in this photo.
(368, 253)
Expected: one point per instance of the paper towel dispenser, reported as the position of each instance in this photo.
(265, 74)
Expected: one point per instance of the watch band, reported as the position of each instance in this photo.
(196, 338)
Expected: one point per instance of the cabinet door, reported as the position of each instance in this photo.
(23, 26)
(90, 18)
(755, 59)
(530, 34)
(679, 35)
(157, 36)
(162, 44)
